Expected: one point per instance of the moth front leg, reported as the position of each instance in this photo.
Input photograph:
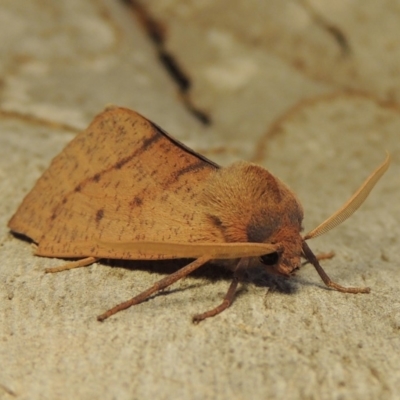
(309, 255)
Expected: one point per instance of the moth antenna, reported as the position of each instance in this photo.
(352, 204)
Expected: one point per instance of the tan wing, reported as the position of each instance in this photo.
(121, 180)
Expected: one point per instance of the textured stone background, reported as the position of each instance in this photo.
(309, 89)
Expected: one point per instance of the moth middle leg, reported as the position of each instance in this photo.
(228, 300)
(230, 295)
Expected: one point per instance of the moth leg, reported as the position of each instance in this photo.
(325, 256)
(309, 255)
(228, 299)
(322, 256)
(160, 285)
(83, 262)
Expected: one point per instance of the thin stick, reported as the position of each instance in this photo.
(309, 255)
(84, 262)
(160, 285)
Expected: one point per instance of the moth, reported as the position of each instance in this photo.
(125, 189)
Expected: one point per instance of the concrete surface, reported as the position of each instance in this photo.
(275, 78)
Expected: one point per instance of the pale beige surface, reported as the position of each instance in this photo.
(280, 102)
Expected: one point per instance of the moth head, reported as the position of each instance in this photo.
(287, 257)
(247, 204)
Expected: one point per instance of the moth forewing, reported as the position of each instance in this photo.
(121, 179)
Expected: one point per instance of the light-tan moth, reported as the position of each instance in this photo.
(125, 189)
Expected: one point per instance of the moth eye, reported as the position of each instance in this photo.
(270, 259)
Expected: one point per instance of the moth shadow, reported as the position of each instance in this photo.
(163, 268)
(211, 272)
(275, 283)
